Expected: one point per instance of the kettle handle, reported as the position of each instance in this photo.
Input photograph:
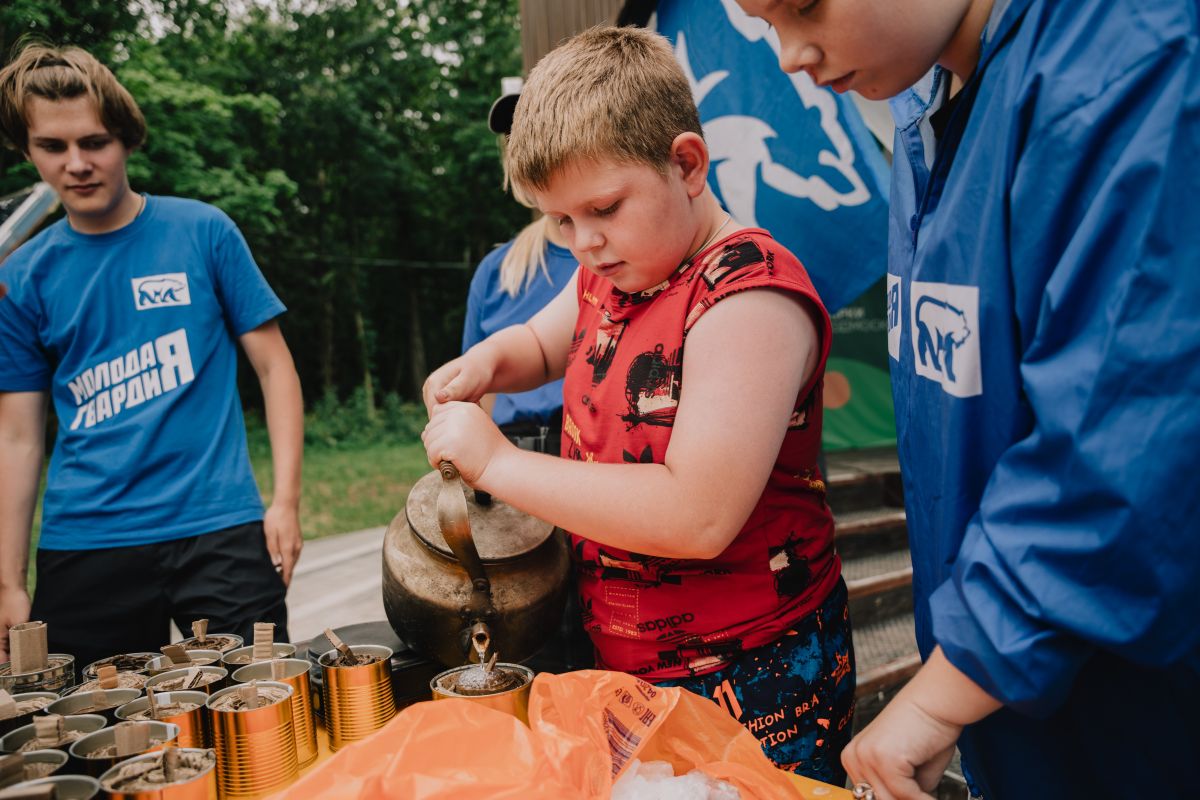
(456, 526)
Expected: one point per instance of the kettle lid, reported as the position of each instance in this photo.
(501, 532)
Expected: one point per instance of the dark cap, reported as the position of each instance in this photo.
(500, 118)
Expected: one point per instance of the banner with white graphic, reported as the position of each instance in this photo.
(786, 155)
(798, 160)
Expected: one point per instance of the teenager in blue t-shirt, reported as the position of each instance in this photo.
(127, 315)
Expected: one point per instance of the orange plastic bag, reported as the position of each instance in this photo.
(584, 728)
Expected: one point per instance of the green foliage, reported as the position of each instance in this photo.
(358, 468)
(348, 140)
(337, 425)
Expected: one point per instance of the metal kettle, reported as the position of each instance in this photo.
(466, 574)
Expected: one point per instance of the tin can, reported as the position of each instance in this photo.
(58, 676)
(193, 725)
(86, 758)
(200, 658)
(513, 701)
(224, 642)
(125, 662)
(85, 703)
(47, 761)
(256, 748)
(357, 700)
(293, 672)
(85, 723)
(68, 787)
(165, 678)
(24, 718)
(200, 786)
(245, 655)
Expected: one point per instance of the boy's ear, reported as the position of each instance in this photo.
(689, 155)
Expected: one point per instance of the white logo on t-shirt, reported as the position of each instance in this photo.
(160, 291)
(945, 336)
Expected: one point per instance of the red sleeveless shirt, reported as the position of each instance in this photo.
(665, 617)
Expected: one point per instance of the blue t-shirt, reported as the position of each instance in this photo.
(134, 333)
(490, 308)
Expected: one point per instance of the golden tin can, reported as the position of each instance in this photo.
(201, 785)
(514, 700)
(256, 748)
(242, 656)
(95, 753)
(200, 658)
(357, 700)
(193, 724)
(293, 672)
(165, 681)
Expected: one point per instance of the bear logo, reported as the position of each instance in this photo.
(158, 291)
(941, 329)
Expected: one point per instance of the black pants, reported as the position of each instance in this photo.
(99, 603)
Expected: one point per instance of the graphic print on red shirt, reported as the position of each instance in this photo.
(667, 617)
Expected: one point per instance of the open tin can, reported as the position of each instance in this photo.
(358, 699)
(142, 777)
(200, 658)
(82, 723)
(42, 763)
(33, 703)
(222, 642)
(68, 787)
(245, 655)
(256, 747)
(85, 703)
(95, 753)
(193, 722)
(293, 672)
(214, 679)
(125, 662)
(514, 699)
(57, 676)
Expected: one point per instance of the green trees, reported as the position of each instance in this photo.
(347, 139)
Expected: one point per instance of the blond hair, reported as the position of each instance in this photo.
(65, 73)
(526, 256)
(607, 93)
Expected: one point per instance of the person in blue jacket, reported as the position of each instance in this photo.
(1044, 329)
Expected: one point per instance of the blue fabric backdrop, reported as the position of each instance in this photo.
(786, 156)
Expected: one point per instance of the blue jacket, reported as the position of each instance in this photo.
(1044, 326)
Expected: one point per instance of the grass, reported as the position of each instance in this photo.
(348, 489)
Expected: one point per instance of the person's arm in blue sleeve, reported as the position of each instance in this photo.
(1085, 538)
(1081, 541)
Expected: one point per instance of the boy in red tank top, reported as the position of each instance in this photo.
(689, 482)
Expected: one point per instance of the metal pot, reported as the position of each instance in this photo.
(459, 574)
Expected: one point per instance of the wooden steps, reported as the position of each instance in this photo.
(867, 498)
